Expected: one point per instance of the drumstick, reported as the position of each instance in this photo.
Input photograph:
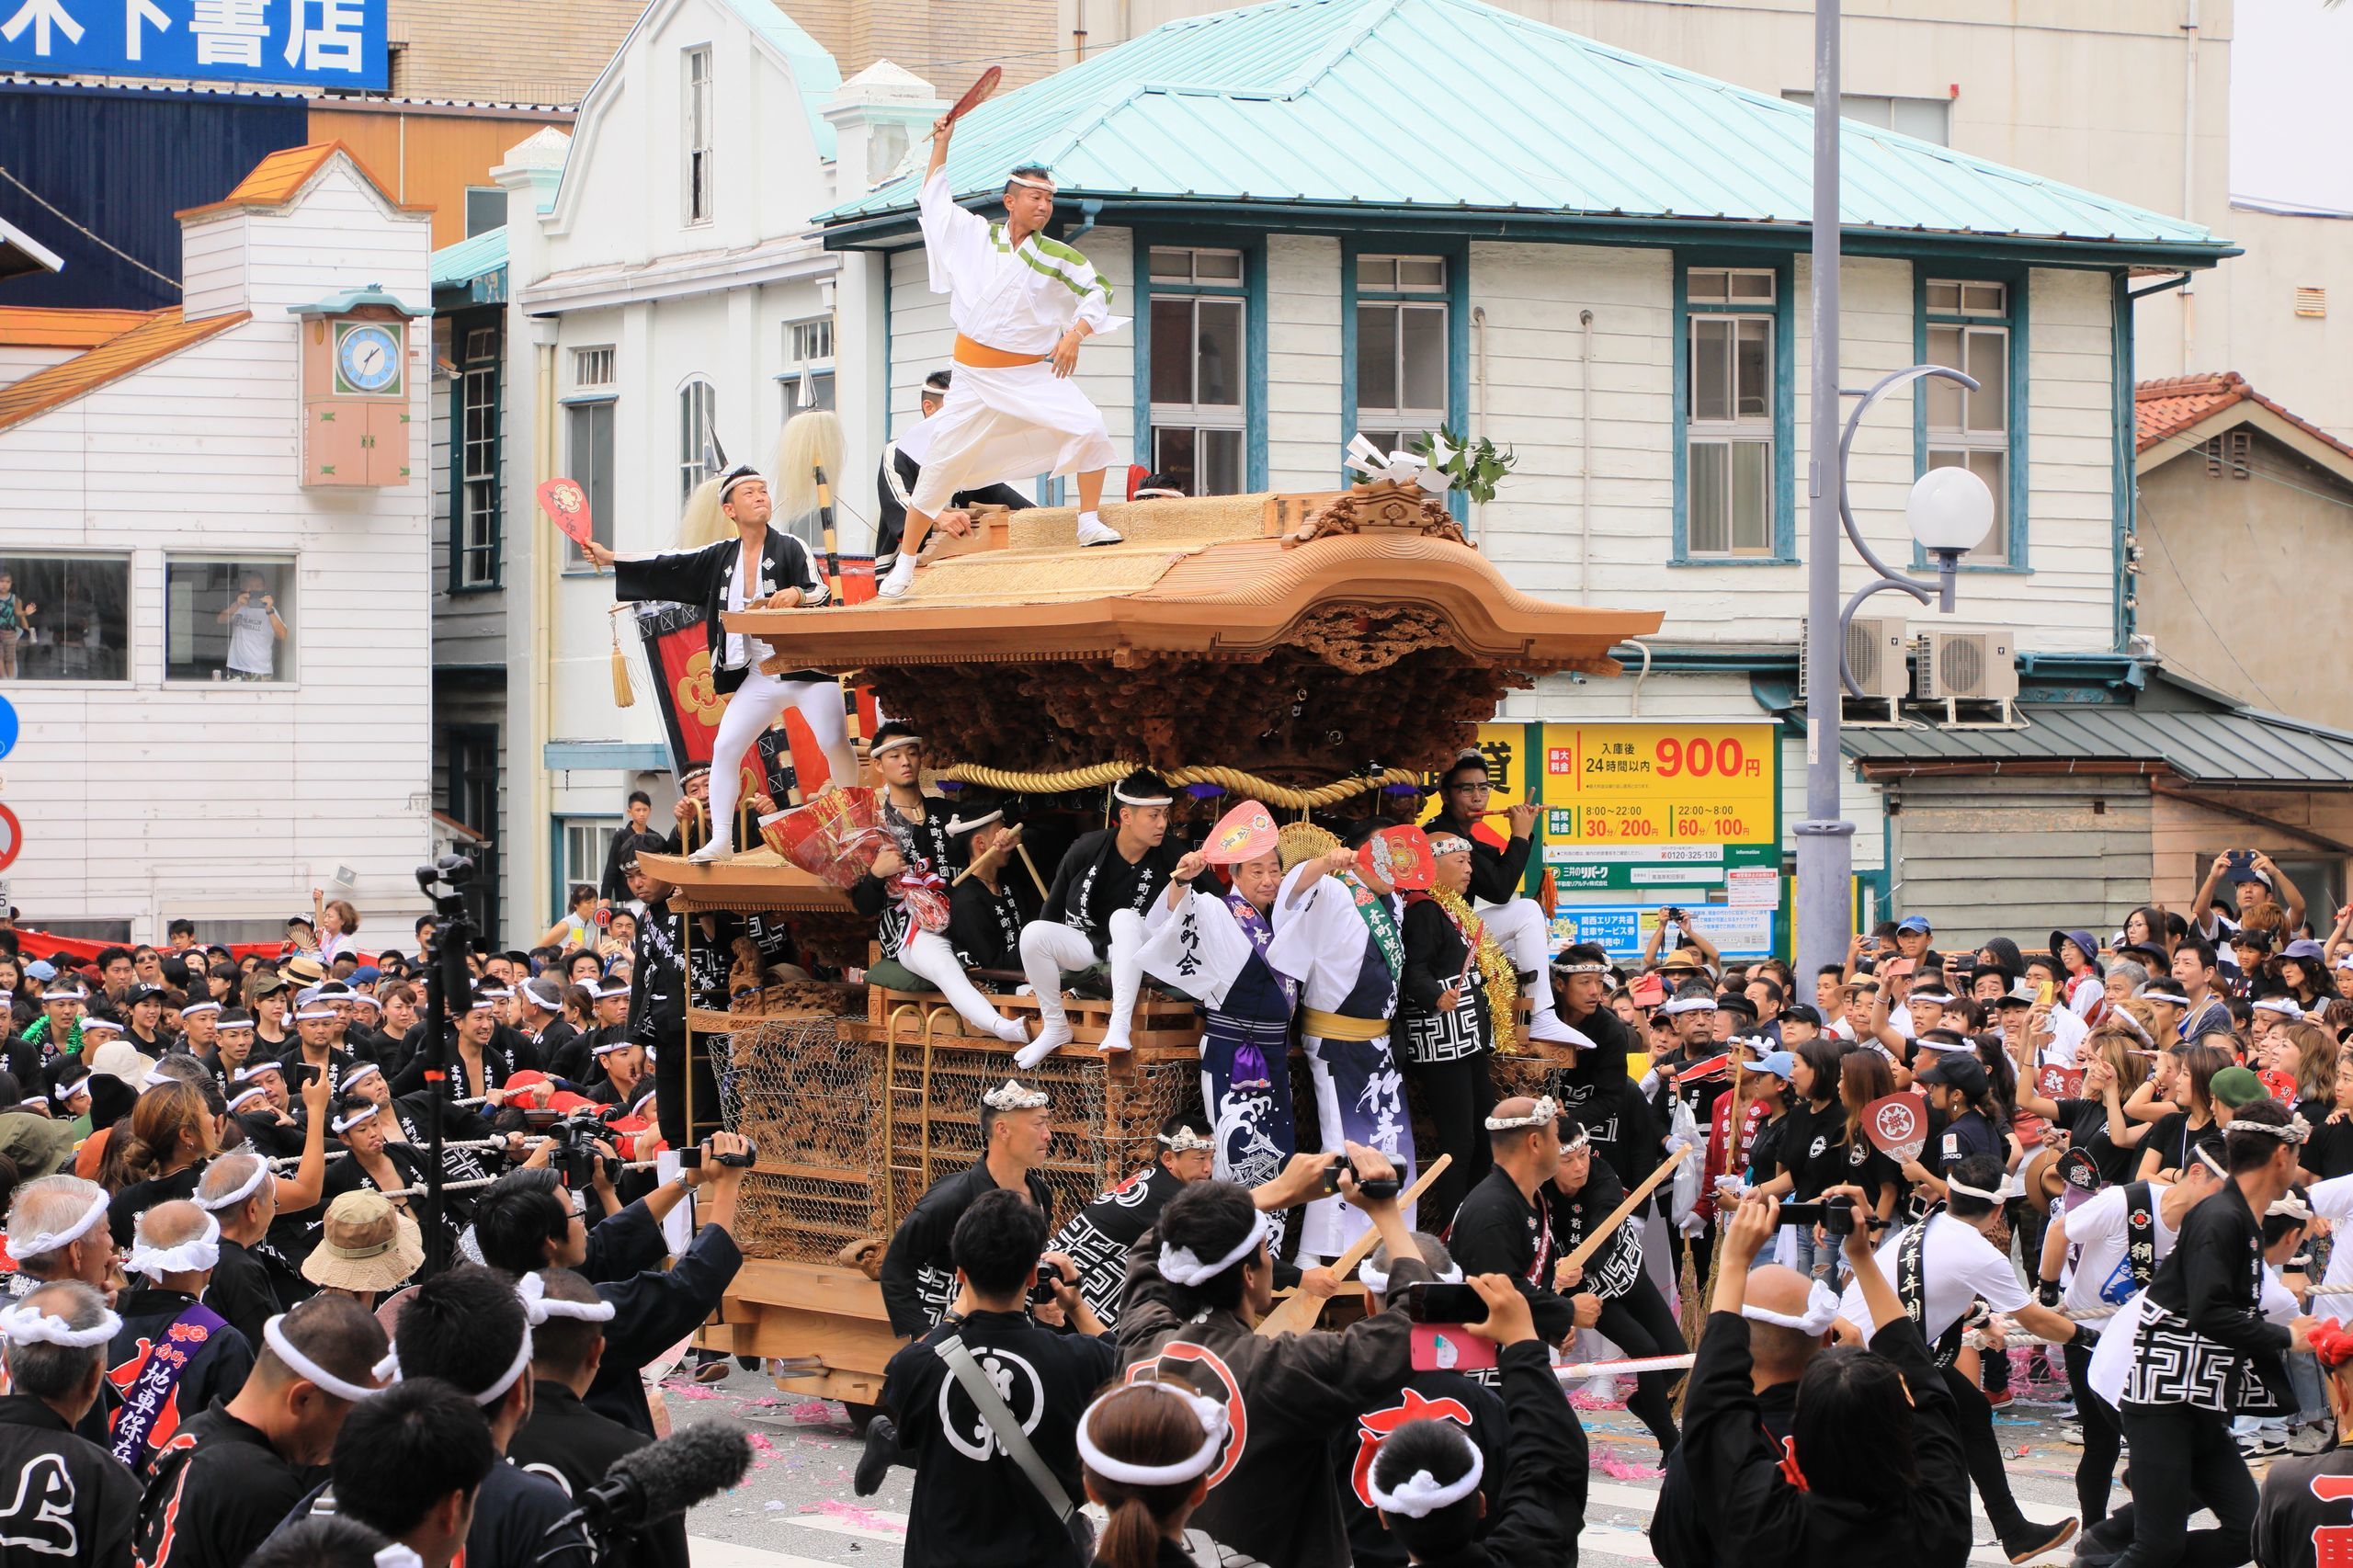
(1298, 1312)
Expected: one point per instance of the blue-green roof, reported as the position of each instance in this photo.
(814, 71)
(1431, 107)
(348, 299)
(468, 259)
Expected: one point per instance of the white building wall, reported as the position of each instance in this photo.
(1304, 434)
(149, 798)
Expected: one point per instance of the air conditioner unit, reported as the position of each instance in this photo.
(1875, 650)
(1968, 666)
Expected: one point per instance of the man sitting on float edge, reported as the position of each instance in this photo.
(1112, 890)
(918, 1272)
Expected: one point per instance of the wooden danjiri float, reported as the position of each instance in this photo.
(1310, 651)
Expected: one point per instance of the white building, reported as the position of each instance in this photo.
(269, 430)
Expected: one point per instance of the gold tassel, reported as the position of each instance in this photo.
(622, 695)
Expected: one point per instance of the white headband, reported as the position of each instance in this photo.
(497, 1391)
(252, 1070)
(1014, 1096)
(34, 1100)
(1181, 1266)
(2289, 1207)
(1580, 968)
(156, 1077)
(1447, 844)
(253, 1182)
(1213, 1425)
(63, 995)
(1689, 1005)
(2283, 1006)
(1544, 1112)
(2296, 1131)
(1954, 1183)
(358, 1074)
(273, 1334)
(963, 824)
(66, 1091)
(50, 1241)
(533, 1290)
(1027, 183)
(1126, 799)
(1420, 1495)
(2206, 1157)
(1186, 1139)
(1378, 1282)
(606, 1047)
(242, 1096)
(893, 744)
(197, 1255)
(24, 1323)
(346, 1123)
(311, 1014)
(193, 1008)
(398, 1556)
(1820, 1307)
(92, 1025)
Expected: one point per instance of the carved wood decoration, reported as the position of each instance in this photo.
(1387, 504)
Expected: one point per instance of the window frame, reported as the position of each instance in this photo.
(1782, 547)
(288, 669)
(1252, 292)
(45, 623)
(490, 368)
(1454, 295)
(499, 192)
(560, 885)
(820, 367)
(575, 563)
(2017, 406)
(698, 204)
(693, 459)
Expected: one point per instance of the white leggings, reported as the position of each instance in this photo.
(928, 955)
(1520, 929)
(759, 702)
(1050, 949)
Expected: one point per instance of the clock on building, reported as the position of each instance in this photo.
(356, 420)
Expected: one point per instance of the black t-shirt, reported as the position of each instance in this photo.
(132, 1201)
(1966, 1134)
(2087, 1125)
(2329, 1151)
(1815, 1150)
(214, 1493)
(2173, 1139)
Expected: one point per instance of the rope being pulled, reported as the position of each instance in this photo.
(1104, 774)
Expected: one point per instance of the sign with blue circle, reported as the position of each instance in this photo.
(7, 727)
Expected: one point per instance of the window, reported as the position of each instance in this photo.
(485, 209)
(227, 620)
(1402, 370)
(588, 459)
(1199, 420)
(808, 377)
(592, 369)
(1967, 328)
(698, 415)
(475, 496)
(698, 135)
(71, 615)
(1929, 119)
(582, 844)
(1730, 416)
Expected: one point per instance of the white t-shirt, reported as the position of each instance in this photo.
(2333, 1200)
(252, 642)
(2097, 1235)
(1959, 1265)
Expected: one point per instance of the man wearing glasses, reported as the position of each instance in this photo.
(1496, 876)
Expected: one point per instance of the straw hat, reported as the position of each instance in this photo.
(366, 1244)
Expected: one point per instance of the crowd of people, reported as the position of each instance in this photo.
(221, 1339)
(2123, 1159)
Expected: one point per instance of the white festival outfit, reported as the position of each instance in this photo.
(1005, 422)
(1344, 971)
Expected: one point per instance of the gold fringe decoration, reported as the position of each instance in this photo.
(1496, 973)
(622, 695)
(1104, 774)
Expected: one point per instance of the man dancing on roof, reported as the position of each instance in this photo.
(1023, 303)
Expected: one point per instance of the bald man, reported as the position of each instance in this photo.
(172, 1356)
(1790, 1319)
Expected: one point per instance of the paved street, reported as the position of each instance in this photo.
(797, 1509)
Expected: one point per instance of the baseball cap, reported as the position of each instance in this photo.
(40, 970)
(2021, 993)
(2302, 949)
(365, 973)
(142, 993)
(268, 984)
(1780, 1063)
(1958, 1070)
(1802, 1013)
(1919, 922)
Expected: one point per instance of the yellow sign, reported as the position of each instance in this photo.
(1662, 785)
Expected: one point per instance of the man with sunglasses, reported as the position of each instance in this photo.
(1498, 877)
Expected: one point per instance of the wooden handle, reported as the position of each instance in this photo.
(1298, 1313)
(1619, 1215)
(1024, 851)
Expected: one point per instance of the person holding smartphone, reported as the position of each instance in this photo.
(255, 630)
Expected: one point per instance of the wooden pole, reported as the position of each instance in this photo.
(1298, 1313)
(1619, 1216)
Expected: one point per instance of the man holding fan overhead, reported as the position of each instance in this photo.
(1022, 304)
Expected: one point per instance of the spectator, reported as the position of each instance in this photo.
(15, 624)
(255, 630)
(613, 887)
(577, 927)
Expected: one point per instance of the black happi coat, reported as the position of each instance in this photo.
(701, 577)
(63, 1498)
(918, 1275)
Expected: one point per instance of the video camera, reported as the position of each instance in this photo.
(1387, 1187)
(575, 1156)
(1836, 1219)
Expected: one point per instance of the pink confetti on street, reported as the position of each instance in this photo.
(850, 1514)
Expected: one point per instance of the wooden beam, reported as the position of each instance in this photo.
(2246, 814)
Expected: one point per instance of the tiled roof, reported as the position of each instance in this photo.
(35, 327)
(1450, 107)
(2170, 409)
(278, 178)
(159, 336)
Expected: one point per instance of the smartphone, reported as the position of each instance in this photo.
(2045, 993)
(1650, 990)
(1428, 1302)
(1445, 1347)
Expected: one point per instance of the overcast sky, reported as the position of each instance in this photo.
(2291, 103)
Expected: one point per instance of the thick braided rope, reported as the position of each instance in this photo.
(1104, 774)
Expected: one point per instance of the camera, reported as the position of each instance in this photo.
(691, 1158)
(1387, 1187)
(1041, 1288)
(1427, 1301)
(575, 1157)
(1836, 1218)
